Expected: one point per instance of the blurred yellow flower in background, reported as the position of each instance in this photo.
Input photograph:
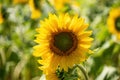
(35, 11)
(61, 5)
(1, 18)
(62, 41)
(19, 1)
(114, 22)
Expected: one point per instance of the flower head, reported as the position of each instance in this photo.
(64, 5)
(62, 41)
(35, 11)
(59, 4)
(1, 18)
(19, 1)
(114, 22)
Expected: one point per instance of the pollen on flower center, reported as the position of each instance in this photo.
(63, 43)
(117, 24)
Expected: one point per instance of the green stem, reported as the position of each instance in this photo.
(83, 71)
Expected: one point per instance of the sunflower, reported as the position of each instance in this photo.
(35, 11)
(1, 19)
(62, 5)
(114, 22)
(59, 4)
(19, 1)
(62, 41)
(1, 16)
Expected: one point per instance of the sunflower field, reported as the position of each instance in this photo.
(59, 39)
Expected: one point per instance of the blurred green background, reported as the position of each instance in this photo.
(17, 34)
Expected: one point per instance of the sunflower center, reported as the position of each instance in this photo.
(63, 43)
(117, 24)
